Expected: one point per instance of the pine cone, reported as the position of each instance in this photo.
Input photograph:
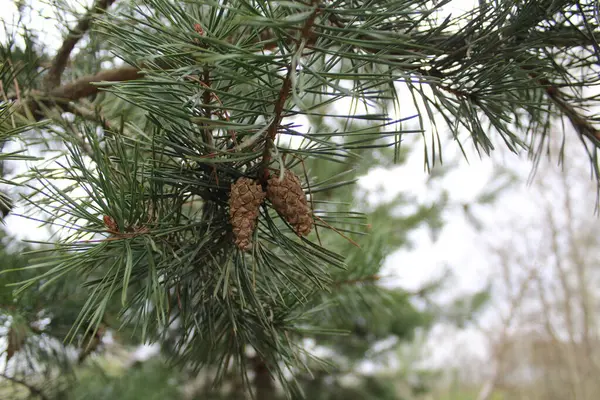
(244, 202)
(289, 200)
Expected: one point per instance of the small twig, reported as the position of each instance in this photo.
(207, 96)
(62, 56)
(112, 228)
(273, 128)
(206, 99)
(284, 92)
(178, 292)
(119, 235)
(91, 346)
(336, 231)
(3, 92)
(264, 385)
(32, 389)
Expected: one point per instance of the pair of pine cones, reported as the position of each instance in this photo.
(287, 198)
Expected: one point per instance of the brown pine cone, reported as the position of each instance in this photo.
(289, 200)
(244, 202)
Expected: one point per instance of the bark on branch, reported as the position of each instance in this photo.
(78, 89)
(581, 123)
(62, 56)
(306, 37)
(84, 87)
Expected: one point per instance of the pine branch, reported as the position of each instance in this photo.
(563, 37)
(84, 87)
(226, 300)
(32, 389)
(206, 98)
(78, 89)
(581, 124)
(62, 56)
(305, 35)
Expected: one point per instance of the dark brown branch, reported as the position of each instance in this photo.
(263, 382)
(581, 124)
(274, 127)
(32, 389)
(62, 56)
(305, 34)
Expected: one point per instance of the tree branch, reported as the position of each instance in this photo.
(62, 56)
(32, 389)
(581, 124)
(305, 35)
(78, 89)
(84, 87)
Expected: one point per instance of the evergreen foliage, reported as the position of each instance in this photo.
(167, 103)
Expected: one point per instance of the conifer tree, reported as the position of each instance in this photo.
(182, 210)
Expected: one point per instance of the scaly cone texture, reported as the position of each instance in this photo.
(244, 202)
(289, 200)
